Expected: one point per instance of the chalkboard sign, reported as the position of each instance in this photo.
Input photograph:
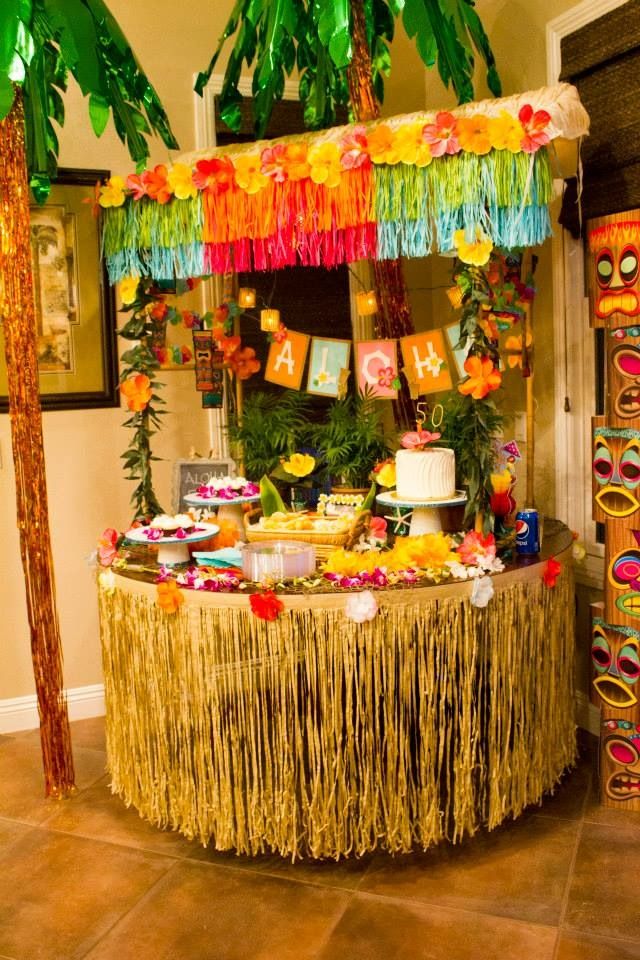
(188, 475)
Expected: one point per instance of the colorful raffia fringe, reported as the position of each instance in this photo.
(378, 212)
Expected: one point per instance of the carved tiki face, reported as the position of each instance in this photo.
(615, 653)
(616, 470)
(624, 576)
(615, 288)
(621, 759)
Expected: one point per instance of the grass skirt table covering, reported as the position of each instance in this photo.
(317, 736)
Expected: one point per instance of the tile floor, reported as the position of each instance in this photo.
(87, 878)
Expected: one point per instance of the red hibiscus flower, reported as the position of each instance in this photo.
(266, 605)
(475, 547)
(215, 176)
(534, 128)
(551, 572)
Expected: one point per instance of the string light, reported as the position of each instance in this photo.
(269, 320)
(246, 298)
(367, 303)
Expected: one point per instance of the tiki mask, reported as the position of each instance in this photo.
(624, 574)
(622, 759)
(625, 381)
(615, 249)
(615, 653)
(616, 470)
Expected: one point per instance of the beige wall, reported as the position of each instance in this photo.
(86, 487)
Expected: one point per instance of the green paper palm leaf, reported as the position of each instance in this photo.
(41, 42)
(315, 35)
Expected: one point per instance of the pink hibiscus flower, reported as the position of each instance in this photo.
(475, 547)
(354, 152)
(416, 439)
(274, 162)
(441, 135)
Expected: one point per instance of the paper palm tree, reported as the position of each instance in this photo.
(41, 43)
(317, 37)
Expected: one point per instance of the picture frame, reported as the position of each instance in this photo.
(75, 305)
(190, 474)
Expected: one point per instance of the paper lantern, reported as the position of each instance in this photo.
(269, 320)
(246, 297)
(367, 303)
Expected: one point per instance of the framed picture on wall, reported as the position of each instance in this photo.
(75, 306)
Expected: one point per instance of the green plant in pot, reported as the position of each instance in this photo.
(271, 427)
(352, 440)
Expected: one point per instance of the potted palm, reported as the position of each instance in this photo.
(352, 440)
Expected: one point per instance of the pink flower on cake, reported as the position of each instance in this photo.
(361, 607)
(417, 439)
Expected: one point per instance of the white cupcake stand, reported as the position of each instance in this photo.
(225, 509)
(425, 514)
(173, 550)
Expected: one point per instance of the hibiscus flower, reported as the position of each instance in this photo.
(158, 187)
(137, 392)
(475, 252)
(112, 193)
(325, 164)
(266, 605)
(473, 134)
(249, 176)
(274, 163)
(551, 572)
(382, 148)
(482, 377)
(355, 150)
(169, 596)
(138, 184)
(411, 146)
(418, 439)
(535, 135)
(475, 547)
(441, 135)
(215, 176)
(180, 179)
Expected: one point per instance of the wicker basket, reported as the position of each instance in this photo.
(324, 542)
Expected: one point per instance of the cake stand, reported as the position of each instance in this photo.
(225, 509)
(425, 514)
(173, 550)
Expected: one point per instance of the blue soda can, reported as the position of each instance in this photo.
(527, 532)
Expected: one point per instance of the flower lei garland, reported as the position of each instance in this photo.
(432, 556)
(360, 147)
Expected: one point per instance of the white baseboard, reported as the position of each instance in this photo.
(21, 713)
(587, 716)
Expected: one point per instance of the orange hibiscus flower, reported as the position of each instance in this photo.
(137, 392)
(244, 363)
(482, 377)
(169, 596)
(296, 161)
(158, 187)
(473, 134)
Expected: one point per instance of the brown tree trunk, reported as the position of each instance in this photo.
(394, 318)
(17, 312)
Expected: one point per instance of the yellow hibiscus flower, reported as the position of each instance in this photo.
(478, 251)
(386, 475)
(506, 132)
(181, 182)
(411, 147)
(128, 289)
(249, 176)
(429, 551)
(324, 161)
(473, 133)
(299, 464)
(112, 193)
